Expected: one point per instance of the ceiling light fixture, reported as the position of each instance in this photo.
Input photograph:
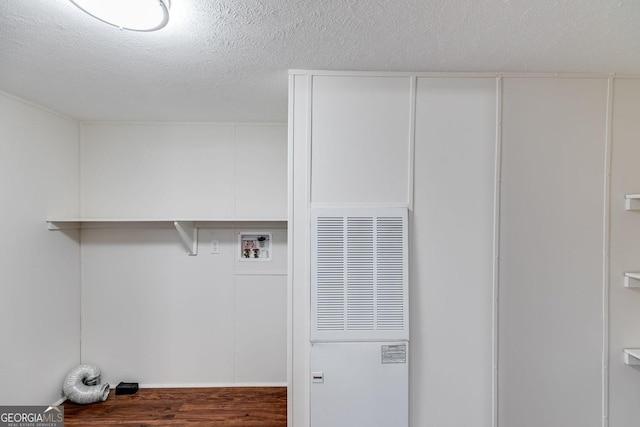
(135, 15)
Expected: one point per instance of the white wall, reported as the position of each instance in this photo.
(260, 172)
(299, 283)
(533, 356)
(39, 269)
(358, 148)
(625, 254)
(154, 315)
(181, 170)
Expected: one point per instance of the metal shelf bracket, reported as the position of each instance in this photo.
(188, 233)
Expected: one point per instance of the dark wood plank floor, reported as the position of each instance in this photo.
(193, 407)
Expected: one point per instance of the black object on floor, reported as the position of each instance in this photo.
(126, 388)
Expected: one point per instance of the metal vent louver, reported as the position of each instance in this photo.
(391, 273)
(330, 266)
(359, 274)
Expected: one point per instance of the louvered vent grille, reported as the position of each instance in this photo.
(359, 277)
(390, 270)
(360, 271)
(330, 275)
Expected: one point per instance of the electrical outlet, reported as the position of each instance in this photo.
(215, 246)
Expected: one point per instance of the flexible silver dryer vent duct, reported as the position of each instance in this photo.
(83, 385)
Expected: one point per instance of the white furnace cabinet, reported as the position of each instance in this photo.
(360, 384)
(359, 325)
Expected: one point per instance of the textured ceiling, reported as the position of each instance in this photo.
(228, 61)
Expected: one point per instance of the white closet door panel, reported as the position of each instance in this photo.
(551, 263)
(360, 140)
(451, 253)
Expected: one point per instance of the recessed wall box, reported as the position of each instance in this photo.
(254, 246)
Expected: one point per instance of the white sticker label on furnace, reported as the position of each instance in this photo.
(394, 354)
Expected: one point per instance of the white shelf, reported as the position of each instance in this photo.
(632, 202)
(76, 223)
(187, 228)
(632, 280)
(632, 356)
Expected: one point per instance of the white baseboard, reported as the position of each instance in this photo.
(208, 385)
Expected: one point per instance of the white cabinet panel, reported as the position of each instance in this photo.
(360, 140)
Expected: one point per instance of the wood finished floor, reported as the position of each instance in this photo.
(193, 407)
